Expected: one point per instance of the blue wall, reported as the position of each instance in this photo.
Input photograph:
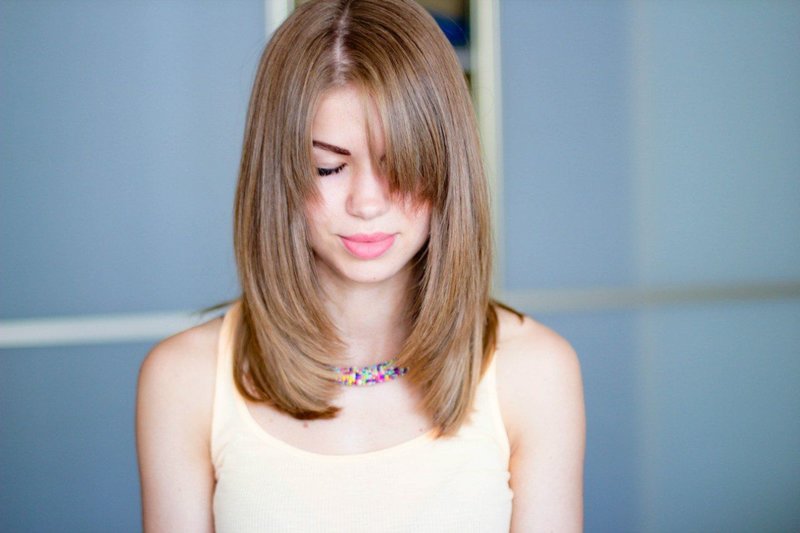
(650, 145)
(646, 144)
(67, 451)
(121, 124)
(121, 131)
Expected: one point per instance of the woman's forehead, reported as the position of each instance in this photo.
(348, 117)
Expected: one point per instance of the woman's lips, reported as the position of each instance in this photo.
(367, 246)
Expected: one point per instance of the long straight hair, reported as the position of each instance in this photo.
(285, 343)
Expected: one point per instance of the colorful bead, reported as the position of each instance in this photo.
(368, 375)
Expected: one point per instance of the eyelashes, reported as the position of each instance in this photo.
(329, 171)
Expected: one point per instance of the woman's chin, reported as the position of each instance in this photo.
(365, 273)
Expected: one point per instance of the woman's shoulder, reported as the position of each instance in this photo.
(188, 354)
(525, 344)
(179, 372)
(536, 368)
(174, 406)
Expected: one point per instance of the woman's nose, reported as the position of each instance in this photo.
(369, 194)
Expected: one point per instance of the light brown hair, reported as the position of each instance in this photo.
(285, 343)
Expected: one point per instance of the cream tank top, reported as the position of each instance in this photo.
(456, 484)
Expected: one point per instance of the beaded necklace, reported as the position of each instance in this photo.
(355, 376)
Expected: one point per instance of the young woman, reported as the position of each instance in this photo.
(364, 380)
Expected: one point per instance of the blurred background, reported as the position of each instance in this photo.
(648, 192)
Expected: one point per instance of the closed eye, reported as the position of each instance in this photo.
(329, 171)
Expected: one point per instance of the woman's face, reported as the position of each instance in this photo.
(358, 231)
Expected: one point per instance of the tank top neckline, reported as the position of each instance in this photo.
(263, 434)
(225, 372)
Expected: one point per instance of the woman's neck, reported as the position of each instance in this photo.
(370, 317)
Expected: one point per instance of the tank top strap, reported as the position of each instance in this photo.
(488, 403)
(485, 418)
(224, 411)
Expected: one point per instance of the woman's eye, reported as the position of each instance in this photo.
(329, 171)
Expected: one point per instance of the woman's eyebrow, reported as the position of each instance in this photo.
(330, 147)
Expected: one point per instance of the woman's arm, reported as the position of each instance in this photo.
(541, 395)
(173, 419)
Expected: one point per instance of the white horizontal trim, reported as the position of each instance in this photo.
(94, 329)
(564, 300)
(148, 327)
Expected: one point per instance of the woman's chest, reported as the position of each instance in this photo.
(371, 418)
(458, 484)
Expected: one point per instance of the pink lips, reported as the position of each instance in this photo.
(367, 246)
